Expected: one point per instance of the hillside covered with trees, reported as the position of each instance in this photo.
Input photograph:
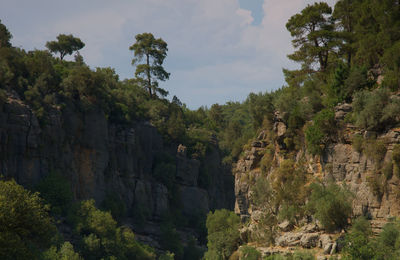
(278, 144)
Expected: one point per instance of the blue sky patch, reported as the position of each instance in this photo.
(256, 8)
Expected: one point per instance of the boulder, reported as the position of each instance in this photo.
(309, 240)
(328, 248)
(324, 240)
(280, 128)
(289, 239)
(334, 248)
(310, 228)
(341, 111)
(285, 226)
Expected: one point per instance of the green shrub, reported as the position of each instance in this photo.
(263, 198)
(101, 238)
(223, 234)
(55, 189)
(303, 255)
(113, 203)
(164, 169)
(330, 204)
(191, 251)
(267, 159)
(396, 154)
(26, 228)
(377, 184)
(388, 241)
(361, 244)
(396, 160)
(175, 125)
(249, 253)
(375, 150)
(389, 237)
(388, 170)
(289, 190)
(140, 212)
(3, 97)
(391, 59)
(167, 256)
(357, 142)
(266, 229)
(375, 110)
(358, 244)
(65, 252)
(262, 192)
(261, 108)
(336, 90)
(356, 80)
(314, 137)
(298, 255)
(277, 257)
(197, 134)
(317, 133)
(170, 239)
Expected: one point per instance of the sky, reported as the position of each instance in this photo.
(218, 50)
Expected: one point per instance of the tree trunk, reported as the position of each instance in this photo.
(148, 74)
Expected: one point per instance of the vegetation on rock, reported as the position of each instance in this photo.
(223, 234)
(347, 54)
(26, 228)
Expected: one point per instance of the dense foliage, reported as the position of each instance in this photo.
(28, 231)
(100, 236)
(26, 228)
(348, 53)
(65, 44)
(223, 234)
(361, 244)
(331, 204)
(56, 191)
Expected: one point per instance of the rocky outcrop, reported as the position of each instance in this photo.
(99, 158)
(375, 195)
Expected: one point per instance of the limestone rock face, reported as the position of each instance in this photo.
(99, 157)
(194, 200)
(342, 110)
(187, 171)
(339, 162)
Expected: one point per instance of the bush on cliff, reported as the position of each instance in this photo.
(358, 244)
(317, 133)
(64, 252)
(115, 205)
(223, 234)
(330, 204)
(55, 189)
(101, 238)
(375, 110)
(249, 253)
(26, 228)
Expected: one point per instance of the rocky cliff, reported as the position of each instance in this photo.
(367, 174)
(100, 158)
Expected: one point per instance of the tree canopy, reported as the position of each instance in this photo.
(223, 234)
(65, 44)
(313, 35)
(5, 36)
(153, 51)
(25, 225)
